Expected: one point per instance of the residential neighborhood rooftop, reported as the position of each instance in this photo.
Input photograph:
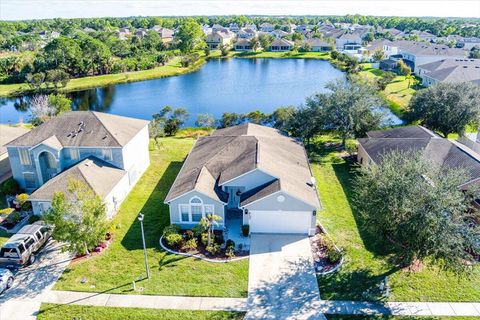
(9, 133)
(230, 152)
(83, 129)
(454, 70)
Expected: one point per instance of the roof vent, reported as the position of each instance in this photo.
(88, 162)
(104, 137)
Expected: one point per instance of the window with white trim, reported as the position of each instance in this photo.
(24, 157)
(73, 154)
(195, 210)
(30, 181)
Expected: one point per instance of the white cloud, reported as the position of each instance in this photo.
(31, 9)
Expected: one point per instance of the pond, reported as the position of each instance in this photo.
(221, 85)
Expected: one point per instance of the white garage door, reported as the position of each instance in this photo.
(280, 221)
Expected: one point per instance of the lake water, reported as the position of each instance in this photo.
(221, 85)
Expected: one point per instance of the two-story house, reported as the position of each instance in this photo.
(216, 39)
(107, 152)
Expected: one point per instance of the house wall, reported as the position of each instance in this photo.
(118, 194)
(39, 207)
(362, 156)
(136, 157)
(18, 169)
(185, 199)
(4, 166)
(250, 180)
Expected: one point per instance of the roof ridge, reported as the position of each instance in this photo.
(105, 127)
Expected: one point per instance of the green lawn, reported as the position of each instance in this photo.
(61, 312)
(172, 68)
(115, 269)
(398, 93)
(367, 260)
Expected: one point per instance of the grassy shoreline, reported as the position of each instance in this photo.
(173, 68)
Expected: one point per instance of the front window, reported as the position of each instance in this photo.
(184, 215)
(196, 213)
(29, 179)
(195, 210)
(24, 157)
(73, 154)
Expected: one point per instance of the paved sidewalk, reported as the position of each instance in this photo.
(281, 279)
(401, 308)
(144, 301)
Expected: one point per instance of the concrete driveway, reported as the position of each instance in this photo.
(23, 300)
(281, 278)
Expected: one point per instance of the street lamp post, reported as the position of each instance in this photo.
(140, 218)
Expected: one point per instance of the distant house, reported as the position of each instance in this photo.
(423, 35)
(267, 27)
(140, 33)
(301, 28)
(450, 70)
(416, 53)
(281, 45)
(234, 27)
(217, 39)
(252, 26)
(242, 45)
(108, 152)
(123, 33)
(7, 134)
(248, 175)
(165, 34)
(469, 43)
(348, 41)
(389, 64)
(319, 45)
(279, 33)
(247, 33)
(395, 34)
(443, 152)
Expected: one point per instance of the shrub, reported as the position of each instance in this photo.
(205, 238)
(230, 252)
(173, 239)
(14, 217)
(6, 211)
(245, 230)
(188, 234)
(171, 229)
(213, 248)
(334, 255)
(198, 230)
(190, 245)
(10, 187)
(33, 218)
(230, 243)
(22, 198)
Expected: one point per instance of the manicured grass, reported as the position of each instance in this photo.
(115, 269)
(367, 257)
(60, 312)
(397, 93)
(172, 68)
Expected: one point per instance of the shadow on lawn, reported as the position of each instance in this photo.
(155, 211)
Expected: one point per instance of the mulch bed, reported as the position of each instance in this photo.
(102, 247)
(319, 253)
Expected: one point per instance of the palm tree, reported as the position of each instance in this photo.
(209, 222)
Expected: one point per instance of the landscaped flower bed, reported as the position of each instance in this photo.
(326, 256)
(195, 242)
(102, 246)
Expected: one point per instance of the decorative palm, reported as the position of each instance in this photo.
(209, 222)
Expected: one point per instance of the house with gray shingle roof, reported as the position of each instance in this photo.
(248, 175)
(281, 45)
(450, 70)
(108, 152)
(442, 152)
(7, 134)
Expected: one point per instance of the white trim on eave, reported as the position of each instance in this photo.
(271, 194)
(203, 194)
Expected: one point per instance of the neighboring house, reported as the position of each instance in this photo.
(469, 43)
(389, 64)
(450, 70)
(247, 33)
(248, 172)
(252, 26)
(319, 45)
(423, 35)
(279, 33)
(7, 134)
(267, 27)
(416, 53)
(281, 45)
(443, 152)
(348, 41)
(123, 33)
(58, 149)
(393, 33)
(242, 45)
(234, 27)
(217, 39)
(301, 28)
(141, 33)
(165, 34)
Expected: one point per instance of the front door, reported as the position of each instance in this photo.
(234, 197)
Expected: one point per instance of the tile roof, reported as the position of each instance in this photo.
(83, 129)
(99, 175)
(233, 151)
(440, 151)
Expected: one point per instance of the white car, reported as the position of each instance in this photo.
(6, 279)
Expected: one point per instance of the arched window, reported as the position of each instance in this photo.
(194, 210)
(195, 200)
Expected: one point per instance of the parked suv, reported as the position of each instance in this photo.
(21, 248)
(6, 279)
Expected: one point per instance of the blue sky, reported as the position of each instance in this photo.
(40, 9)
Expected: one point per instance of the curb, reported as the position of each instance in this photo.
(199, 257)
